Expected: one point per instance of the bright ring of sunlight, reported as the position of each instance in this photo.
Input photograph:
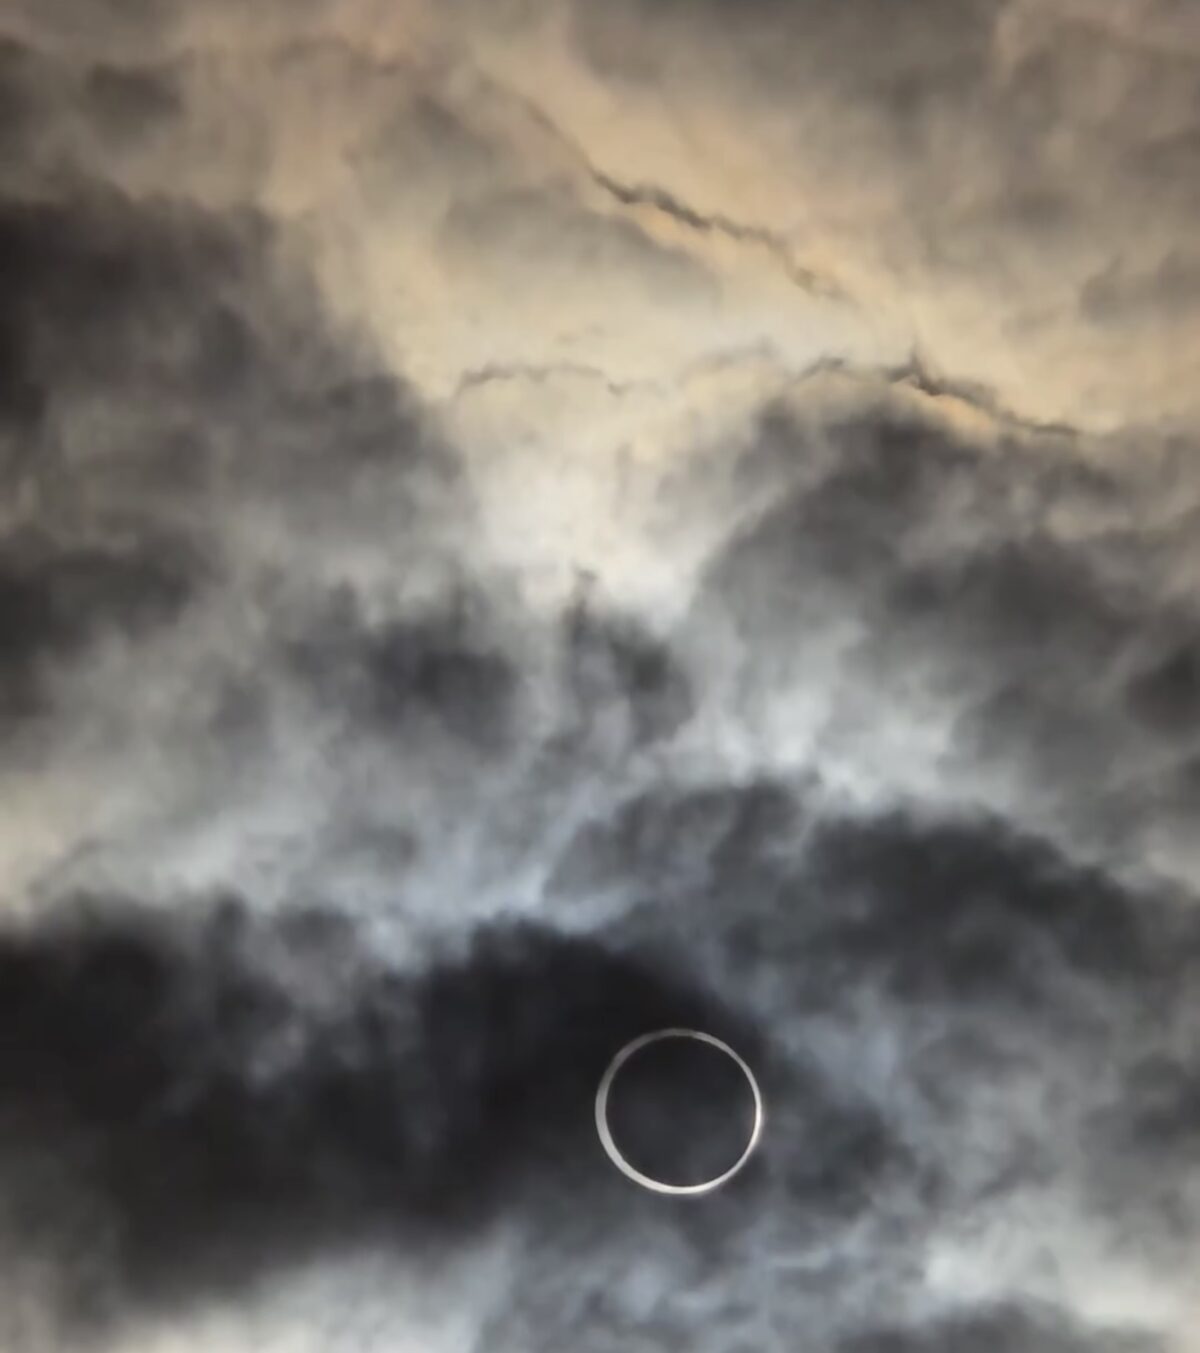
(613, 1151)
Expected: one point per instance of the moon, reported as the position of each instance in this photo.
(618, 1158)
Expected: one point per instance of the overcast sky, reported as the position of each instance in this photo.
(527, 521)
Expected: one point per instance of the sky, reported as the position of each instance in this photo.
(524, 522)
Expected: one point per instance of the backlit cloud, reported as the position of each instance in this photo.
(521, 523)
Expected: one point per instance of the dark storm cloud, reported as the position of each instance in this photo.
(184, 322)
(611, 664)
(1006, 1329)
(956, 912)
(892, 781)
(165, 384)
(58, 117)
(54, 600)
(1000, 970)
(95, 287)
(221, 1098)
(125, 103)
(1034, 597)
(194, 1105)
(437, 667)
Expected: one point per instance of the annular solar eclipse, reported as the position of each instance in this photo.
(619, 1157)
(599, 676)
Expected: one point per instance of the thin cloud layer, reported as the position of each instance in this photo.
(526, 523)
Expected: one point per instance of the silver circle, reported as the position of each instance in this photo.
(610, 1146)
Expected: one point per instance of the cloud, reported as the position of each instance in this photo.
(203, 1101)
(1014, 597)
(218, 1098)
(1001, 1329)
(970, 171)
(525, 523)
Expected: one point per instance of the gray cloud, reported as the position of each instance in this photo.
(525, 523)
(1001, 1329)
(1034, 596)
(219, 1098)
(222, 1099)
